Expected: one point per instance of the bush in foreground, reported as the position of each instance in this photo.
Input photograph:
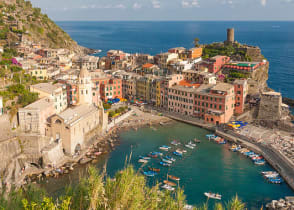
(128, 190)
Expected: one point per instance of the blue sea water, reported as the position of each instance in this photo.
(276, 39)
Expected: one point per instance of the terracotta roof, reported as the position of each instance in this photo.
(188, 84)
(147, 65)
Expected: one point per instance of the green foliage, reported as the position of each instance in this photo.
(15, 68)
(213, 50)
(9, 53)
(106, 106)
(3, 33)
(27, 98)
(111, 113)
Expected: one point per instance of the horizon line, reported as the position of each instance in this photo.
(173, 20)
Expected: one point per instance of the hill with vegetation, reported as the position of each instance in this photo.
(19, 20)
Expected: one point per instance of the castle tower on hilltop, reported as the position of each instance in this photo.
(230, 36)
(85, 87)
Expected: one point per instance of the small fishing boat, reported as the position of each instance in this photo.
(197, 140)
(145, 158)
(192, 144)
(269, 173)
(154, 169)
(168, 187)
(175, 143)
(276, 180)
(170, 183)
(164, 164)
(164, 147)
(170, 158)
(189, 146)
(149, 173)
(181, 151)
(157, 153)
(174, 178)
(142, 161)
(235, 148)
(259, 162)
(167, 161)
(213, 195)
(152, 156)
(178, 154)
(222, 142)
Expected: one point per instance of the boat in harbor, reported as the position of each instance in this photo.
(144, 157)
(175, 143)
(277, 180)
(150, 173)
(269, 173)
(164, 164)
(181, 151)
(168, 187)
(154, 169)
(169, 183)
(192, 144)
(197, 140)
(157, 153)
(189, 146)
(259, 162)
(235, 148)
(173, 178)
(167, 161)
(152, 155)
(213, 195)
(178, 154)
(164, 147)
(170, 158)
(142, 161)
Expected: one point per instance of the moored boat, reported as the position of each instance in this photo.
(178, 154)
(168, 187)
(189, 146)
(164, 164)
(213, 195)
(259, 162)
(197, 140)
(154, 169)
(167, 161)
(142, 161)
(192, 144)
(149, 173)
(175, 143)
(170, 158)
(170, 183)
(173, 178)
(153, 156)
(164, 147)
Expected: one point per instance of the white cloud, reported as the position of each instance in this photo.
(156, 4)
(263, 2)
(136, 6)
(190, 3)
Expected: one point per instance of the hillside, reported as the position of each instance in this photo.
(19, 20)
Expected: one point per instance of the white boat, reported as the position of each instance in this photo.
(143, 161)
(213, 195)
(163, 148)
(192, 144)
(189, 146)
(188, 207)
(168, 187)
(181, 151)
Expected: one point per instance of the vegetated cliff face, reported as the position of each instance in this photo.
(258, 80)
(19, 20)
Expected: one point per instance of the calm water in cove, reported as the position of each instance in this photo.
(276, 39)
(210, 167)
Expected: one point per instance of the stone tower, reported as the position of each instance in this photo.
(270, 107)
(85, 87)
(230, 36)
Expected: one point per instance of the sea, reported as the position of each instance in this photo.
(276, 40)
(209, 167)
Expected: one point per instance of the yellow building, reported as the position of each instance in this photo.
(158, 93)
(39, 73)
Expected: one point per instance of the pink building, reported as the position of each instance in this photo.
(212, 103)
(214, 64)
(241, 91)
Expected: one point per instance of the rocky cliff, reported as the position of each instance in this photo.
(19, 20)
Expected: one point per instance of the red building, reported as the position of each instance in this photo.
(108, 87)
(214, 64)
(241, 91)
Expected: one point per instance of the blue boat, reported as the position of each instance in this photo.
(167, 161)
(259, 162)
(156, 153)
(149, 173)
(177, 154)
(170, 158)
(276, 180)
(164, 164)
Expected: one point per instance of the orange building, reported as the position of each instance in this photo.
(241, 90)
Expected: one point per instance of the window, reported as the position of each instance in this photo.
(220, 107)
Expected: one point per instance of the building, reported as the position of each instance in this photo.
(200, 77)
(129, 85)
(212, 103)
(87, 62)
(192, 53)
(241, 91)
(230, 36)
(110, 88)
(212, 65)
(85, 86)
(76, 125)
(39, 73)
(270, 107)
(1, 106)
(33, 118)
(56, 92)
(242, 67)
(163, 59)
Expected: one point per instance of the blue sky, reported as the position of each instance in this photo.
(167, 9)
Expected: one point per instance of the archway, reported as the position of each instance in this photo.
(78, 149)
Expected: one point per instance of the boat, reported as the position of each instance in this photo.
(149, 173)
(154, 169)
(189, 146)
(192, 144)
(170, 158)
(157, 153)
(210, 136)
(143, 157)
(153, 156)
(188, 207)
(164, 164)
(181, 151)
(265, 173)
(276, 180)
(197, 140)
(174, 178)
(167, 161)
(168, 187)
(170, 183)
(175, 143)
(213, 195)
(222, 142)
(178, 154)
(164, 147)
(259, 162)
(235, 148)
(142, 161)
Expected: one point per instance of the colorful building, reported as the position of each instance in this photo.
(243, 67)
(212, 65)
(111, 88)
(241, 91)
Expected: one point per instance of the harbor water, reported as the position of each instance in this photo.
(209, 167)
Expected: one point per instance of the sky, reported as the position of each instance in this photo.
(100, 10)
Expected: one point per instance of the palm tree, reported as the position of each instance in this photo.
(196, 42)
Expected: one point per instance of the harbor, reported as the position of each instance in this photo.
(209, 167)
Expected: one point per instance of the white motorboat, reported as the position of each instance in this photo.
(143, 161)
(168, 187)
(189, 146)
(192, 144)
(213, 195)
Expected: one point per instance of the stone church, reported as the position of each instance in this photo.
(76, 125)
